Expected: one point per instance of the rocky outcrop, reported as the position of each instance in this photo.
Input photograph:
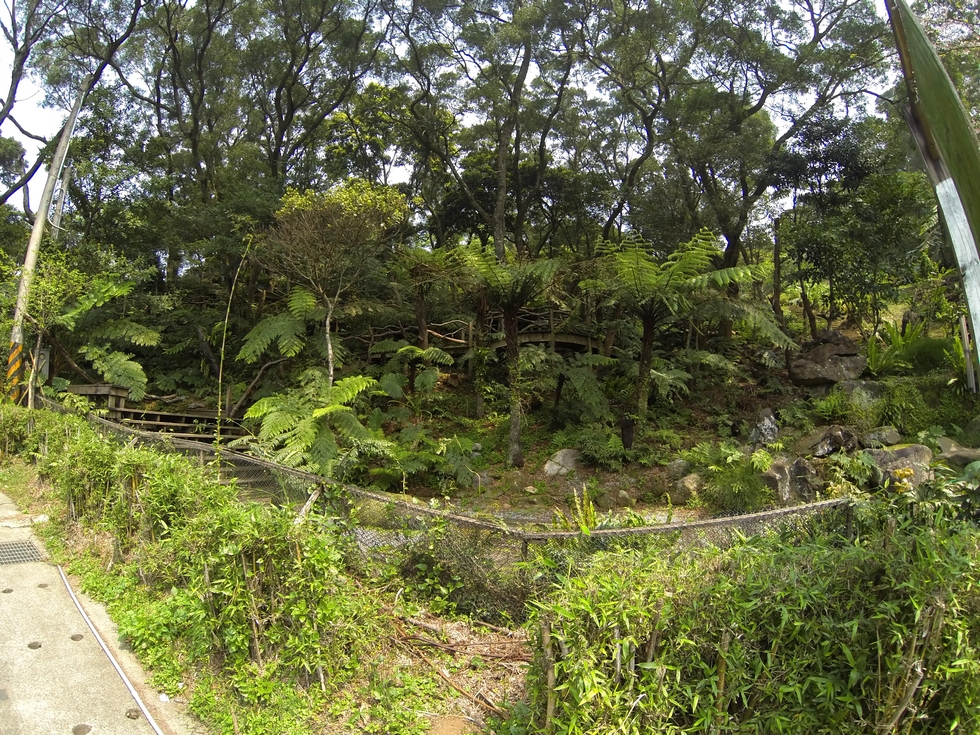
(907, 463)
(686, 488)
(956, 456)
(831, 358)
(766, 429)
(883, 436)
(793, 481)
(826, 440)
(678, 468)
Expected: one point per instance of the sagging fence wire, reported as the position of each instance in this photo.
(479, 566)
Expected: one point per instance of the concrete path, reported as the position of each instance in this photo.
(55, 678)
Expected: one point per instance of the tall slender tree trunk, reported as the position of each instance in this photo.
(643, 379)
(477, 347)
(777, 274)
(515, 457)
(420, 318)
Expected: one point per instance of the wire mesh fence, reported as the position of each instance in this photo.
(482, 566)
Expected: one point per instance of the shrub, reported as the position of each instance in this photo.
(904, 407)
(733, 482)
(783, 633)
(240, 590)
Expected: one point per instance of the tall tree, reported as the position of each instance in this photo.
(329, 240)
(509, 287)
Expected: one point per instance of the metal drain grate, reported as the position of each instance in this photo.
(18, 552)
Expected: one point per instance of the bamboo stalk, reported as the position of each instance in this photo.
(655, 636)
(549, 659)
(617, 656)
(722, 666)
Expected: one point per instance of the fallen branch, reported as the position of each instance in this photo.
(309, 504)
(458, 648)
(251, 387)
(445, 677)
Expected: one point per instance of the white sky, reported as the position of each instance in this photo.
(31, 116)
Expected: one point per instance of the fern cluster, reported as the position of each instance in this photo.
(733, 481)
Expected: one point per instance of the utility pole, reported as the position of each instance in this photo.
(15, 358)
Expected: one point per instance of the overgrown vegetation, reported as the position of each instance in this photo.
(842, 629)
(258, 617)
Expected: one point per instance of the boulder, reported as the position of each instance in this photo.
(604, 501)
(624, 499)
(883, 436)
(793, 481)
(956, 456)
(826, 440)
(906, 463)
(766, 429)
(831, 358)
(678, 468)
(685, 488)
(562, 462)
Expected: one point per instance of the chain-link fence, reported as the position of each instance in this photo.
(482, 567)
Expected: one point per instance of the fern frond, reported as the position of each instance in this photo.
(118, 368)
(101, 291)
(287, 330)
(301, 302)
(724, 276)
(128, 331)
(331, 409)
(760, 320)
(437, 356)
(346, 390)
(349, 426)
(389, 345)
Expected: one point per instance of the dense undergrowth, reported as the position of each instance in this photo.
(814, 632)
(254, 616)
(268, 625)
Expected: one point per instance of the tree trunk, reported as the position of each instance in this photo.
(476, 344)
(420, 318)
(811, 318)
(554, 410)
(515, 457)
(643, 379)
(330, 362)
(610, 340)
(777, 275)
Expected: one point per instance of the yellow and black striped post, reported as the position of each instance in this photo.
(15, 372)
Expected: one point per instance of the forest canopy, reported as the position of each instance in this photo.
(322, 184)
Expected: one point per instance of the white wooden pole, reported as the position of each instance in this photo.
(15, 358)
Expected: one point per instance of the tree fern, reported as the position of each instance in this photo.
(301, 303)
(117, 368)
(125, 330)
(100, 292)
(310, 426)
(288, 331)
